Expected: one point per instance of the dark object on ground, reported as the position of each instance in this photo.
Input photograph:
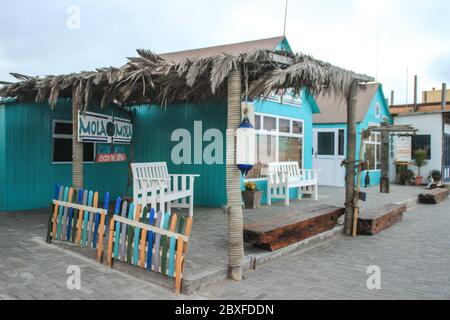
(284, 229)
(374, 221)
(434, 196)
(406, 177)
(252, 199)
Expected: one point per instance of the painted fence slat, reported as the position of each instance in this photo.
(73, 216)
(81, 218)
(101, 229)
(67, 212)
(172, 246)
(91, 220)
(61, 213)
(68, 222)
(136, 237)
(53, 215)
(150, 240)
(76, 215)
(156, 252)
(86, 220)
(120, 236)
(179, 264)
(130, 232)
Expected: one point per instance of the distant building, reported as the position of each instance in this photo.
(434, 96)
(330, 134)
(431, 118)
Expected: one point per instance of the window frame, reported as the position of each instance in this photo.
(377, 143)
(336, 154)
(429, 158)
(277, 134)
(66, 136)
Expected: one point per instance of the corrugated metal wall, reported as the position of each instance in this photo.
(2, 157)
(30, 175)
(152, 135)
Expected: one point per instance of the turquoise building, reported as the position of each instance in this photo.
(36, 145)
(330, 134)
(36, 141)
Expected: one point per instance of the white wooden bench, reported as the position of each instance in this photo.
(152, 184)
(283, 176)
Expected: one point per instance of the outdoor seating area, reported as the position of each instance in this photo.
(284, 176)
(154, 186)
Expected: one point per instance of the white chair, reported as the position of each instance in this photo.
(152, 184)
(283, 176)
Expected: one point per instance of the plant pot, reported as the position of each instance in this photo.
(419, 181)
(252, 199)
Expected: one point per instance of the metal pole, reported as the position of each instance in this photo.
(444, 96)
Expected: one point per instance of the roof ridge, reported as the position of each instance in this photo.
(224, 45)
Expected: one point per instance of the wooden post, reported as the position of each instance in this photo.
(416, 107)
(358, 186)
(77, 147)
(384, 183)
(233, 179)
(351, 154)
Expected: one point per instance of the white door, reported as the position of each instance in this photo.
(329, 152)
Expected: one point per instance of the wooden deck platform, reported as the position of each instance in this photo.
(374, 221)
(284, 229)
(434, 196)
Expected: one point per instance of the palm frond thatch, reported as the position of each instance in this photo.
(149, 79)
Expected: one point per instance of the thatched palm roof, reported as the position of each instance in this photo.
(148, 78)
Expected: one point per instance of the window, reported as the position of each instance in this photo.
(297, 127)
(372, 147)
(377, 110)
(325, 145)
(270, 123)
(258, 122)
(278, 140)
(421, 142)
(285, 126)
(62, 144)
(341, 142)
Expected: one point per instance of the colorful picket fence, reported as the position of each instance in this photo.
(150, 240)
(76, 218)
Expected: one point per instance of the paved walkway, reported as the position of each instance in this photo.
(414, 258)
(31, 269)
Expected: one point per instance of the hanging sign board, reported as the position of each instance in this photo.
(100, 128)
(106, 155)
(403, 149)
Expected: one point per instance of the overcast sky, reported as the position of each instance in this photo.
(413, 34)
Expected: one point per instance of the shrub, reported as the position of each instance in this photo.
(436, 175)
(420, 159)
(407, 176)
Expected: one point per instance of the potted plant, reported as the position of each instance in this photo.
(252, 196)
(436, 175)
(420, 160)
(406, 177)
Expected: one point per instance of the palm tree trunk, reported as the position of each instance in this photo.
(351, 157)
(235, 215)
(77, 147)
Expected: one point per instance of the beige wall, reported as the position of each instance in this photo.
(434, 96)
